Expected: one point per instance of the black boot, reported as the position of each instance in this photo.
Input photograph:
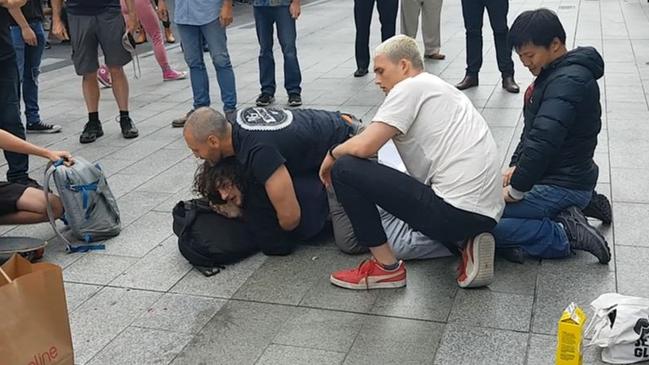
(599, 208)
(582, 236)
(467, 82)
(360, 72)
(510, 85)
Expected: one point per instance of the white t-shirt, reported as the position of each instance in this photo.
(445, 143)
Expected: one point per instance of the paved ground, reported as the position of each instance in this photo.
(139, 302)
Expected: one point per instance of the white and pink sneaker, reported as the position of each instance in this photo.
(103, 76)
(172, 75)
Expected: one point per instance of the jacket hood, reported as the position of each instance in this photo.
(587, 57)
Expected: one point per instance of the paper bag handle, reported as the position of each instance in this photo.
(5, 275)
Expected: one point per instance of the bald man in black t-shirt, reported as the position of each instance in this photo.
(280, 150)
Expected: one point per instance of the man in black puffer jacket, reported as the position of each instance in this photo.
(552, 173)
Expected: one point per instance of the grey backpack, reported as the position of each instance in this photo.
(91, 211)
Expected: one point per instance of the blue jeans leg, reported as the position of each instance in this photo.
(193, 52)
(217, 43)
(529, 223)
(264, 20)
(19, 47)
(29, 69)
(287, 37)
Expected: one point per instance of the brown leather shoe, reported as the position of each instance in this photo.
(467, 82)
(510, 85)
(435, 56)
(169, 36)
(139, 36)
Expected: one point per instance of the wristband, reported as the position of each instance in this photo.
(331, 151)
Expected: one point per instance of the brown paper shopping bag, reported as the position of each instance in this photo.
(34, 325)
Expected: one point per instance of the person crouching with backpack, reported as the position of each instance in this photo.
(21, 204)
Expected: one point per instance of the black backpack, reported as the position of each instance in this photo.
(207, 239)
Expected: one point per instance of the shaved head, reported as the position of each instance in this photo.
(205, 122)
(208, 134)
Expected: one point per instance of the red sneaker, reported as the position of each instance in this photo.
(370, 275)
(477, 264)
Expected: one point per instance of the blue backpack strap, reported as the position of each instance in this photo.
(86, 248)
(84, 189)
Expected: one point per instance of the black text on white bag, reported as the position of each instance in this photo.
(91, 210)
(620, 326)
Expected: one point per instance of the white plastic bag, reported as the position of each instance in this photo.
(620, 325)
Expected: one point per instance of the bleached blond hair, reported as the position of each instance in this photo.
(401, 47)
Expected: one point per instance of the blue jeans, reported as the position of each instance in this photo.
(265, 17)
(28, 59)
(192, 39)
(529, 224)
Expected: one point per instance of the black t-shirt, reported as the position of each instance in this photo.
(266, 138)
(6, 45)
(90, 7)
(32, 10)
(262, 225)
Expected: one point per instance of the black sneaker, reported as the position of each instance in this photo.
(265, 99)
(599, 208)
(511, 254)
(40, 127)
(128, 128)
(231, 115)
(294, 100)
(582, 236)
(180, 122)
(91, 132)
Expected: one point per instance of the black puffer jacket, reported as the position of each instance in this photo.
(562, 120)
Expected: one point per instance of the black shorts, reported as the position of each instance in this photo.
(9, 195)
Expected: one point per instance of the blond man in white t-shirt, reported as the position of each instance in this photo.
(453, 192)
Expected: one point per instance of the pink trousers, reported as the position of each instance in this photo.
(151, 24)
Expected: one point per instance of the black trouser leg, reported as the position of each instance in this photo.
(10, 117)
(472, 12)
(362, 184)
(497, 10)
(362, 20)
(388, 16)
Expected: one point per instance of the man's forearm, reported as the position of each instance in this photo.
(18, 16)
(352, 147)
(12, 143)
(57, 5)
(368, 143)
